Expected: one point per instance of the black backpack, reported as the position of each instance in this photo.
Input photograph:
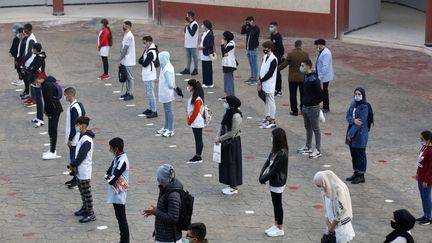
(370, 116)
(186, 209)
(122, 73)
(156, 61)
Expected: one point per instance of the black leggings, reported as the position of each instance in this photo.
(120, 213)
(277, 207)
(105, 64)
(198, 140)
(53, 121)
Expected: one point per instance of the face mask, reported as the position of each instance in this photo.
(77, 129)
(188, 89)
(65, 98)
(393, 224)
(186, 241)
(114, 153)
(265, 51)
(301, 69)
(124, 29)
(358, 98)
(423, 143)
(145, 46)
(318, 49)
(271, 29)
(226, 106)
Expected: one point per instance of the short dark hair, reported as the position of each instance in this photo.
(198, 230)
(37, 47)
(268, 44)
(20, 30)
(148, 38)
(273, 23)
(208, 24)
(28, 26)
(426, 135)
(279, 140)
(298, 43)
(82, 120)
(70, 91)
(320, 42)
(307, 62)
(117, 143)
(190, 13)
(249, 18)
(128, 23)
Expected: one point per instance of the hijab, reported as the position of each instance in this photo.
(334, 188)
(234, 103)
(403, 222)
(363, 101)
(164, 58)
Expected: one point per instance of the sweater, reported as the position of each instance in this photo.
(52, 105)
(312, 93)
(424, 165)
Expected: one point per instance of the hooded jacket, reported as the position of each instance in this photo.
(166, 78)
(52, 105)
(38, 64)
(358, 110)
(84, 155)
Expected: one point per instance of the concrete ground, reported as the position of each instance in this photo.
(37, 207)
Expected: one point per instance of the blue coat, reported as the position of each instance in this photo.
(358, 134)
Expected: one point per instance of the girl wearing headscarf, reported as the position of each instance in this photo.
(424, 176)
(230, 168)
(166, 93)
(207, 49)
(229, 64)
(337, 204)
(357, 134)
(402, 222)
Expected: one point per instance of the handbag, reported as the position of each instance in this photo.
(322, 117)
(217, 153)
(328, 238)
(213, 56)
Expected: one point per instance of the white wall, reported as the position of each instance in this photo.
(363, 13)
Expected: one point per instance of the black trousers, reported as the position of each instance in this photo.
(293, 95)
(207, 72)
(105, 64)
(120, 213)
(53, 121)
(277, 207)
(278, 81)
(326, 101)
(27, 81)
(198, 140)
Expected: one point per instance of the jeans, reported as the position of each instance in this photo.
(169, 116)
(105, 64)
(326, 101)
(277, 207)
(191, 53)
(120, 213)
(37, 95)
(311, 122)
(207, 72)
(53, 121)
(130, 80)
(270, 106)
(293, 96)
(229, 83)
(151, 99)
(253, 63)
(198, 140)
(359, 160)
(425, 195)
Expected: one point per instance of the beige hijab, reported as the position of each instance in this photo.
(334, 188)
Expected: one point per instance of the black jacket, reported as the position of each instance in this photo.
(52, 105)
(252, 36)
(208, 44)
(312, 93)
(14, 47)
(278, 172)
(21, 50)
(38, 63)
(279, 49)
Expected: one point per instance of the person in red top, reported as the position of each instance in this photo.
(104, 43)
(424, 176)
(195, 118)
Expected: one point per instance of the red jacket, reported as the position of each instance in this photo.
(424, 169)
(104, 38)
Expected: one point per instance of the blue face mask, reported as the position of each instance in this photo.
(358, 98)
(301, 69)
(77, 129)
(145, 46)
(226, 106)
(271, 29)
(186, 241)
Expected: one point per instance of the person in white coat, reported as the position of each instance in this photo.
(149, 74)
(128, 59)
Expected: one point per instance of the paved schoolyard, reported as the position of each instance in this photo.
(37, 207)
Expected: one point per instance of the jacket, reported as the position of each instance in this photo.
(279, 49)
(278, 172)
(168, 213)
(119, 167)
(293, 60)
(324, 66)
(38, 64)
(252, 36)
(358, 134)
(14, 47)
(208, 44)
(312, 93)
(104, 38)
(424, 165)
(75, 110)
(52, 105)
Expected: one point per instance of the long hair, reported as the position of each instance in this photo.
(279, 140)
(105, 23)
(197, 90)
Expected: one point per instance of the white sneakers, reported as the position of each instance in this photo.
(207, 86)
(17, 82)
(229, 191)
(48, 155)
(275, 232)
(273, 227)
(168, 133)
(38, 123)
(315, 154)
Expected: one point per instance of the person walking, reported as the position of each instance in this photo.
(275, 170)
(191, 31)
(252, 32)
(195, 120)
(337, 204)
(127, 59)
(278, 51)
(402, 223)
(206, 50)
(104, 44)
(324, 69)
(312, 99)
(229, 62)
(230, 168)
(295, 77)
(149, 74)
(358, 134)
(424, 176)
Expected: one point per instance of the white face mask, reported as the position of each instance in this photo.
(358, 98)
(188, 89)
(65, 98)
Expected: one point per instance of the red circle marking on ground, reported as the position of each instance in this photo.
(95, 129)
(141, 182)
(317, 206)
(293, 188)
(382, 161)
(4, 178)
(100, 139)
(209, 130)
(11, 194)
(28, 234)
(328, 133)
(20, 215)
(248, 157)
(285, 104)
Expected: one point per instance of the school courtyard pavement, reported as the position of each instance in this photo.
(37, 207)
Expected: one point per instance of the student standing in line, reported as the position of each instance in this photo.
(20, 56)
(324, 69)
(191, 43)
(104, 44)
(117, 176)
(37, 67)
(278, 51)
(229, 62)
(74, 111)
(275, 170)
(27, 59)
(195, 119)
(18, 31)
(206, 49)
(127, 59)
(196, 233)
(252, 32)
(402, 223)
(149, 74)
(424, 176)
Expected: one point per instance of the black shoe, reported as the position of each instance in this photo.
(293, 113)
(421, 219)
(72, 181)
(147, 112)
(88, 218)
(73, 185)
(80, 212)
(326, 110)
(425, 221)
(351, 178)
(152, 115)
(359, 179)
(185, 71)
(194, 72)
(23, 94)
(128, 97)
(278, 93)
(123, 96)
(195, 159)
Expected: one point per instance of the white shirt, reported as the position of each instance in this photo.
(129, 40)
(166, 94)
(191, 41)
(269, 85)
(203, 57)
(149, 73)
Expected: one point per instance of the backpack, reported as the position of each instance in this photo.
(370, 116)
(59, 90)
(186, 209)
(156, 61)
(122, 73)
(207, 115)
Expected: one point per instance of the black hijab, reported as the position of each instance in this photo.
(363, 101)
(403, 222)
(234, 103)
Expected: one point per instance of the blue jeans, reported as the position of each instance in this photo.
(191, 53)
(151, 99)
(169, 116)
(37, 95)
(253, 63)
(425, 195)
(359, 161)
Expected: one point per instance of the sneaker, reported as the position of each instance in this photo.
(304, 149)
(49, 156)
(128, 97)
(17, 82)
(152, 115)
(72, 181)
(315, 154)
(248, 80)
(168, 133)
(73, 186)
(161, 131)
(104, 77)
(425, 221)
(278, 93)
(23, 94)
(195, 159)
(80, 212)
(185, 71)
(31, 103)
(293, 113)
(38, 124)
(88, 218)
(276, 232)
(268, 125)
(123, 96)
(252, 82)
(34, 120)
(229, 191)
(194, 72)
(26, 96)
(273, 227)
(147, 112)
(359, 179)
(421, 218)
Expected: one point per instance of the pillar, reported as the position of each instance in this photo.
(58, 7)
(428, 25)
